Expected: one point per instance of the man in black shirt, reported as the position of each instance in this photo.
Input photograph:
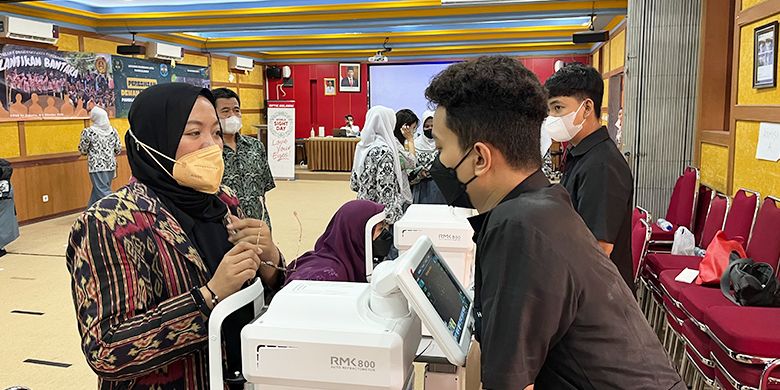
(596, 175)
(551, 310)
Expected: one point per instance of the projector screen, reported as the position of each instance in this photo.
(402, 86)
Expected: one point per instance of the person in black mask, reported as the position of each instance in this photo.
(552, 310)
(342, 252)
(149, 262)
(424, 190)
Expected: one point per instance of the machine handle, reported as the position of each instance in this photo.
(223, 309)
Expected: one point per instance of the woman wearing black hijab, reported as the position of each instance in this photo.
(149, 262)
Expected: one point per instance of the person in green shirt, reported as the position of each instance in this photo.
(246, 161)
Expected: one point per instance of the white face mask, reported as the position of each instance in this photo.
(562, 128)
(231, 125)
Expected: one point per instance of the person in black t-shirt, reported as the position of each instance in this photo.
(596, 174)
(551, 309)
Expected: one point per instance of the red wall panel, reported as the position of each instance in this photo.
(325, 111)
(545, 67)
(314, 109)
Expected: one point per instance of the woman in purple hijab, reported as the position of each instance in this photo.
(340, 253)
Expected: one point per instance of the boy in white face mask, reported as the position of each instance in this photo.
(595, 174)
(246, 161)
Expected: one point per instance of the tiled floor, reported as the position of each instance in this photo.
(33, 278)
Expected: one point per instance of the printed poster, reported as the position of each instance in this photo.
(133, 75)
(40, 84)
(281, 138)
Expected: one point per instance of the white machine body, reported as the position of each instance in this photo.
(449, 231)
(324, 335)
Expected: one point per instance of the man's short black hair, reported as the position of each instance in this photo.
(224, 93)
(349, 116)
(404, 117)
(493, 99)
(579, 81)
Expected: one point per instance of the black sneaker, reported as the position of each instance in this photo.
(2, 252)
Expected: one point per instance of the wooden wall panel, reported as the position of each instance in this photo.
(65, 181)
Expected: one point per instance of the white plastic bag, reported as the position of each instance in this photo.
(684, 242)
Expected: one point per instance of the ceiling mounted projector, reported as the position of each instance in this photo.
(380, 54)
(131, 49)
(590, 36)
(378, 57)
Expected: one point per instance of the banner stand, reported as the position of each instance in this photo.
(281, 139)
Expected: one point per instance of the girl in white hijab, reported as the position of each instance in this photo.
(376, 170)
(100, 143)
(424, 190)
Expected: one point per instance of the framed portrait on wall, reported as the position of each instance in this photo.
(330, 86)
(349, 77)
(765, 56)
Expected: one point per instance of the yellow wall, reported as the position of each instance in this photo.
(220, 71)
(748, 172)
(121, 125)
(251, 97)
(62, 136)
(194, 59)
(9, 134)
(68, 42)
(759, 175)
(612, 55)
(95, 45)
(47, 137)
(617, 50)
(746, 93)
(248, 123)
(254, 77)
(749, 3)
(715, 166)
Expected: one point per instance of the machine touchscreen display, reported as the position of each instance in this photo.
(443, 291)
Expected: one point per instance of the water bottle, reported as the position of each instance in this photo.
(312, 133)
(664, 225)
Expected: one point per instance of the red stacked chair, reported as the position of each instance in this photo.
(741, 213)
(746, 340)
(640, 237)
(706, 194)
(728, 343)
(670, 290)
(737, 224)
(680, 211)
(639, 214)
(655, 263)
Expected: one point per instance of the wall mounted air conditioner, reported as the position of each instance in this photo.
(241, 63)
(28, 30)
(164, 51)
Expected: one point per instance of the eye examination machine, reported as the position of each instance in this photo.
(342, 336)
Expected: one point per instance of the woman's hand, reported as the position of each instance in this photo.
(237, 267)
(255, 232)
(406, 130)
